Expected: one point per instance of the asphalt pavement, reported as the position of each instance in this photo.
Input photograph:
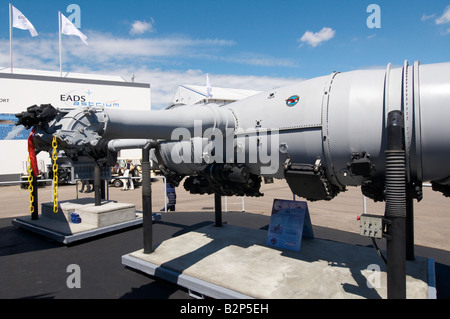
(33, 267)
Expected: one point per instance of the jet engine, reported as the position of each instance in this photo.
(321, 135)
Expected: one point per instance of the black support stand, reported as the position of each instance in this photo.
(97, 185)
(103, 186)
(147, 220)
(218, 209)
(396, 259)
(409, 226)
(395, 211)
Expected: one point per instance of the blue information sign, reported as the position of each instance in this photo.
(289, 223)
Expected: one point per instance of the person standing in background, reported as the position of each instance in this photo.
(129, 168)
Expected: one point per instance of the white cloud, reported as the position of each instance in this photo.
(445, 17)
(262, 61)
(140, 27)
(109, 55)
(164, 83)
(442, 20)
(148, 47)
(314, 39)
(250, 59)
(107, 49)
(426, 17)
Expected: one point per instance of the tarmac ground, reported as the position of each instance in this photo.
(33, 267)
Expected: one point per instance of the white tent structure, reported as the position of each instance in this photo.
(196, 94)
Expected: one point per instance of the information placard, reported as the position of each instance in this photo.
(289, 223)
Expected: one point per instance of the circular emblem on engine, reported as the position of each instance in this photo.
(292, 101)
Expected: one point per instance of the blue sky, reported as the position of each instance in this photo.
(250, 44)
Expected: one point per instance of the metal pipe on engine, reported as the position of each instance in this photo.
(164, 124)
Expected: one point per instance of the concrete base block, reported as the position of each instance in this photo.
(231, 261)
(95, 220)
(108, 213)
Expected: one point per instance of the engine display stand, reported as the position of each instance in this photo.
(93, 220)
(235, 262)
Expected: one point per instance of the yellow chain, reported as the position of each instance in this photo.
(30, 186)
(55, 174)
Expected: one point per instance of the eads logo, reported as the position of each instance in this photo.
(292, 101)
(72, 98)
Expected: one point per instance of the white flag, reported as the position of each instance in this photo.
(21, 22)
(208, 87)
(69, 29)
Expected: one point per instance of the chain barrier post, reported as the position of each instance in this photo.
(33, 195)
(55, 174)
(33, 173)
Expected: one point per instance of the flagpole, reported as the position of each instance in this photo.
(208, 88)
(10, 37)
(60, 54)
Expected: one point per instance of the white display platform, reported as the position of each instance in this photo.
(234, 262)
(95, 220)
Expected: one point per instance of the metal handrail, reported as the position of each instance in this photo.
(21, 182)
